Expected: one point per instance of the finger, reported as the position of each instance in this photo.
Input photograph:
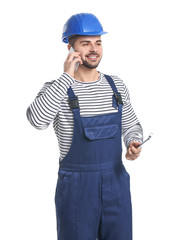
(130, 157)
(70, 64)
(129, 152)
(136, 144)
(135, 150)
(77, 59)
(73, 60)
(72, 55)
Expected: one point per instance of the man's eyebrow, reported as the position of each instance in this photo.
(89, 41)
(84, 41)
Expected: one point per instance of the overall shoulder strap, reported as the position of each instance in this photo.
(117, 99)
(73, 102)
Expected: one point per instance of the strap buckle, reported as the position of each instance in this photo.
(118, 98)
(73, 103)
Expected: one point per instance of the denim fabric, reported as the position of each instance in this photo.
(93, 189)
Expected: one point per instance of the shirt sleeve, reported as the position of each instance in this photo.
(131, 127)
(45, 106)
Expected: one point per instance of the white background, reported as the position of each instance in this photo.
(141, 49)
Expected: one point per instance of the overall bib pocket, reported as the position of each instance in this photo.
(100, 142)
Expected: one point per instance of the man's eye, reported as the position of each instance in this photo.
(85, 44)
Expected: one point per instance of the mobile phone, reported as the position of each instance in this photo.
(77, 64)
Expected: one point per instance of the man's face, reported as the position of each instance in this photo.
(90, 49)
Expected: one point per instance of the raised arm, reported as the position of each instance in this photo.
(45, 106)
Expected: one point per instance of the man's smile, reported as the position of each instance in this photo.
(92, 56)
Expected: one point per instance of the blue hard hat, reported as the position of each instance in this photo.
(82, 24)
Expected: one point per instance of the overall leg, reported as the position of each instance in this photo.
(89, 205)
(116, 219)
(78, 205)
(66, 205)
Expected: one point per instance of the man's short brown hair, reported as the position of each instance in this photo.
(73, 39)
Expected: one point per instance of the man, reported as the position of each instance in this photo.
(90, 111)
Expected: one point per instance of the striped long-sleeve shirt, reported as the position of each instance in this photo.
(51, 105)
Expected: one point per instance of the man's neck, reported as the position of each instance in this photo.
(86, 75)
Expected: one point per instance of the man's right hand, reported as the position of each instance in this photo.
(70, 63)
(133, 150)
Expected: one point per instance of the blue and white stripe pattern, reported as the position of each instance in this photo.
(51, 105)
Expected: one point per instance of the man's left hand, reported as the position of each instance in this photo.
(133, 150)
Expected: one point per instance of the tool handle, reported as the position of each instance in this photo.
(145, 140)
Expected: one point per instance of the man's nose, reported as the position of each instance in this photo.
(92, 48)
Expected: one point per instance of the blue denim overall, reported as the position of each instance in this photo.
(93, 190)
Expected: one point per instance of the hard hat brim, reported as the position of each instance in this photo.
(66, 38)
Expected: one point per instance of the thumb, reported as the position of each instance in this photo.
(134, 144)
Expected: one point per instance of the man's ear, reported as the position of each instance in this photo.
(68, 46)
